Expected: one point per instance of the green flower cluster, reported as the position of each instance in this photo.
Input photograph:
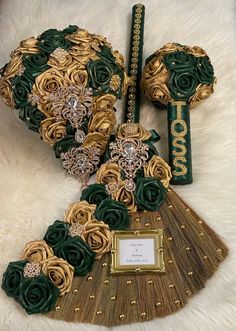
(72, 249)
(186, 72)
(149, 195)
(34, 294)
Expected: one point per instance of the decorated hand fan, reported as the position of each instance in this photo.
(137, 251)
(65, 84)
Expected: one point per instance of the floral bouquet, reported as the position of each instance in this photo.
(65, 84)
(178, 77)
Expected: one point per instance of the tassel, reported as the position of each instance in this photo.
(192, 253)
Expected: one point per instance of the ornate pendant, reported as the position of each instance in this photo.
(82, 162)
(131, 155)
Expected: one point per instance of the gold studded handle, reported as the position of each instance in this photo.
(132, 106)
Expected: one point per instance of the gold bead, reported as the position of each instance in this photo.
(139, 10)
(144, 315)
(140, 5)
(92, 297)
(89, 278)
(137, 26)
(137, 269)
(182, 226)
(133, 302)
(113, 298)
(58, 308)
(170, 238)
(136, 31)
(129, 282)
(106, 281)
(188, 292)
(187, 209)
(205, 257)
(131, 96)
(160, 250)
(171, 285)
(134, 65)
(187, 249)
(135, 49)
(137, 220)
(169, 261)
(135, 42)
(147, 224)
(76, 309)
(201, 234)
(200, 222)
(158, 218)
(132, 89)
(170, 206)
(99, 312)
(190, 273)
(219, 250)
(75, 291)
(136, 37)
(177, 302)
(122, 316)
(150, 281)
(158, 304)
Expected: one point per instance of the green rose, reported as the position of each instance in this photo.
(70, 29)
(180, 61)
(52, 39)
(12, 278)
(149, 193)
(38, 295)
(36, 64)
(114, 213)
(94, 194)
(32, 117)
(205, 71)
(63, 145)
(101, 73)
(21, 86)
(182, 85)
(56, 233)
(77, 253)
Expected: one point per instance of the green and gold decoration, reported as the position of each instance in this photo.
(64, 85)
(47, 267)
(68, 275)
(178, 77)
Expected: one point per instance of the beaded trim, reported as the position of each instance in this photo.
(135, 64)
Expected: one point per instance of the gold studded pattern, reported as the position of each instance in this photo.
(135, 50)
(149, 296)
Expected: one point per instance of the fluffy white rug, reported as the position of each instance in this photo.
(34, 190)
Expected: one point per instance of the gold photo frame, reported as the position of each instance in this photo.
(139, 251)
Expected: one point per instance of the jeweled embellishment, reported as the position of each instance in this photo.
(59, 54)
(33, 98)
(32, 270)
(72, 103)
(115, 82)
(131, 155)
(75, 229)
(81, 161)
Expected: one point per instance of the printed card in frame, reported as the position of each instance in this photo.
(139, 251)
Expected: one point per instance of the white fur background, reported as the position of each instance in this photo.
(34, 190)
